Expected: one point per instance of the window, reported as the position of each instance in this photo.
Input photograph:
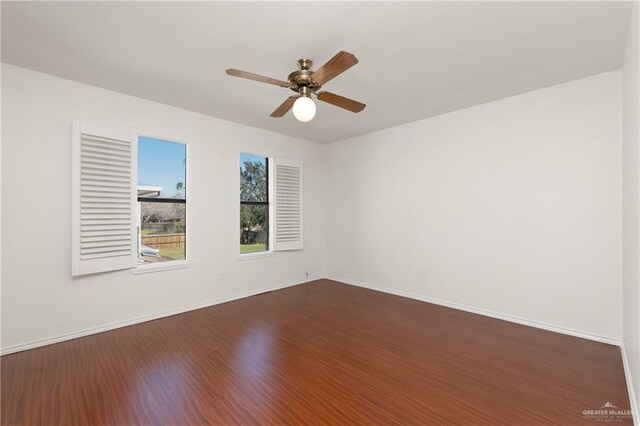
(254, 203)
(129, 201)
(161, 194)
(282, 230)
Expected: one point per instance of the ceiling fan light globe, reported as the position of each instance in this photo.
(304, 109)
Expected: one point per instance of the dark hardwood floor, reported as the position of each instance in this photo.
(320, 352)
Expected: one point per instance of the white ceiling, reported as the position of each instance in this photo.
(416, 59)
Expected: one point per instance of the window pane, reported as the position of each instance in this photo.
(161, 175)
(253, 178)
(162, 232)
(254, 228)
(161, 168)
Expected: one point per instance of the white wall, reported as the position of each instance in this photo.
(631, 202)
(513, 207)
(40, 300)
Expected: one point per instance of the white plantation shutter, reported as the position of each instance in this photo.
(103, 200)
(287, 202)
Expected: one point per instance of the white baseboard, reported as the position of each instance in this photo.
(94, 330)
(485, 312)
(632, 394)
(100, 329)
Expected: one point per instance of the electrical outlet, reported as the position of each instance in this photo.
(306, 274)
(221, 274)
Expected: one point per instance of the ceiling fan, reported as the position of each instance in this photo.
(306, 82)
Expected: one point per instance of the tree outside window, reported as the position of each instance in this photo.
(254, 203)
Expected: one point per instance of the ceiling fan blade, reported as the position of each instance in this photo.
(256, 77)
(341, 62)
(284, 107)
(341, 101)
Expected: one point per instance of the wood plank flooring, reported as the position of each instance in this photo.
(320, 353)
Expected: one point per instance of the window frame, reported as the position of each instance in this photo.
(187, 262)
(264, 253)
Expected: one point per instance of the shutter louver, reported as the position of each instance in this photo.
(104, 191)
(288, 205)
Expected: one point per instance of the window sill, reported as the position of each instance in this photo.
(257, 255)
(157, 267)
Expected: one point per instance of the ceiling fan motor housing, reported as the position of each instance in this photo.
(302, 78)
